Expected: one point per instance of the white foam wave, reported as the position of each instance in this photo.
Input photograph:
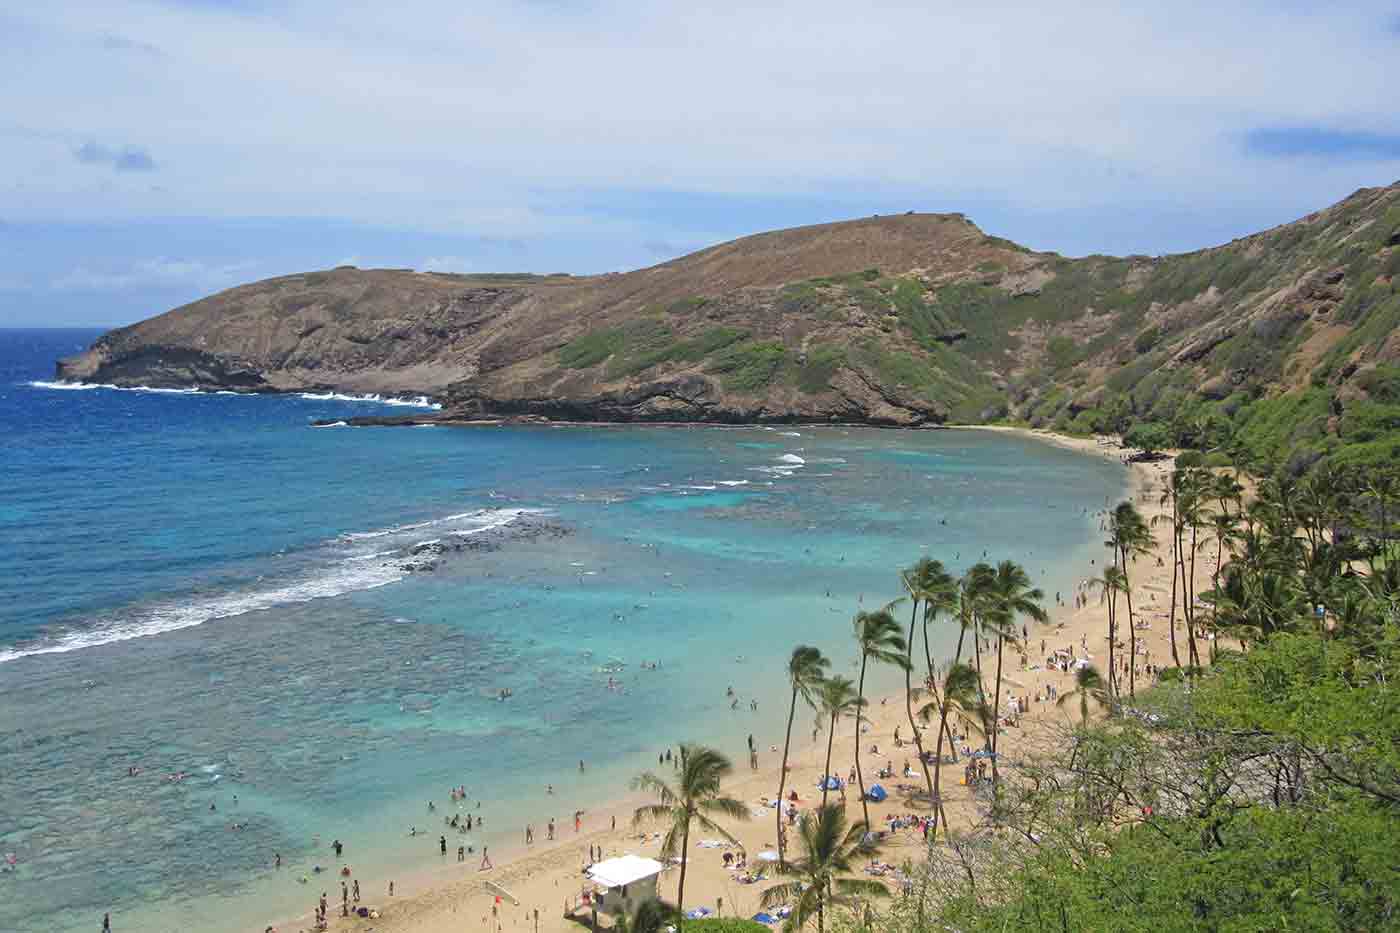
(345, 577)
(701, 488)
(790, 434)
(420, 401)
(332, 424)
(480, 520)
(733, 482)
(347, 574)
(792, 458)
(83, 386)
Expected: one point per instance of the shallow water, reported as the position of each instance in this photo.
(295, 665)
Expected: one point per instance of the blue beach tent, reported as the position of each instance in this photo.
(876, 793)
(765, 918)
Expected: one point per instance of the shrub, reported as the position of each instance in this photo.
(591, 348)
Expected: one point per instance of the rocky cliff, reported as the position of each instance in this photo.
(898, 320)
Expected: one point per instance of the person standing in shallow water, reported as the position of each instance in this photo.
(106, 923)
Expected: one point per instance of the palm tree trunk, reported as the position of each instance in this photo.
(831, 737)
(1132, 632)
(1171, 619)
(1112, 638)
(685, 860)
(782, 775)
(860, 778)
(996, 707)
(909, 705)
(1191, 603)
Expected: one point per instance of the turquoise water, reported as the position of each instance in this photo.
(205, 584)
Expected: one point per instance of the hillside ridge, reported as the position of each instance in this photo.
(904, 319)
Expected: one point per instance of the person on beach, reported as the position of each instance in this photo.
(485, 860)
(391, 889)
(106, 923)
(549, 829)
(529, 835)
(442, 844)
(355, 891)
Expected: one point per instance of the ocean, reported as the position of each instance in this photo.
(306, 632)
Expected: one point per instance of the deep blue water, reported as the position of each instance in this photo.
(206, 584)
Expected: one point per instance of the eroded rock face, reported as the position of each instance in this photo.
(906, 320)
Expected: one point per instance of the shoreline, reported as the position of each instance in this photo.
(544, 877)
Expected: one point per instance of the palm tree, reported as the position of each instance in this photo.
(961, 690)
(878, 638)
(836, 699)
(1109, 586)
(696, 798)
(927, 582)
(806, 668)
(1225, 529)
(652, 915)
(1129, 536)
(829, 847)
(1088, 685)
(1010, 595)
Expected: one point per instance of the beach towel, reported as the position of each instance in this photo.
(762, 917)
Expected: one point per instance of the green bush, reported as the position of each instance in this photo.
(751, 366)
(1190, 458)
(591, 348)
(814, 376)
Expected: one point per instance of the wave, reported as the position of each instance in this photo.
(82, 386)
(792, 458)
(332, 424)
(419, 401)
(733, 482)
(345, 573)
(347, 576)
(482, 519)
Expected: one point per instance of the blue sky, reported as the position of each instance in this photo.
(153, 152)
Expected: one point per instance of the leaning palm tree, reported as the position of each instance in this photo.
(929, 583)
(1109, 586)
(695, 799)
(1129, 536)
(1011, 595)
(806, 668)
(836, 699)
(1088, 685)
(879, 638)
(829, 847)
(960, 690)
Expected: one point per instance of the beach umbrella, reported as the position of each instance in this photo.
(762, 917)
(767, 855)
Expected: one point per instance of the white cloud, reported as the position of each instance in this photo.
(157, 273)
(462, 118)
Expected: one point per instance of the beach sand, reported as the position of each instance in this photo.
(548, 876)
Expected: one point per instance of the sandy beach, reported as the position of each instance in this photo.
(536, 884)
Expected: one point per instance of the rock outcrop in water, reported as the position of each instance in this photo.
(902, 320)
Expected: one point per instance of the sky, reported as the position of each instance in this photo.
(154, 152)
